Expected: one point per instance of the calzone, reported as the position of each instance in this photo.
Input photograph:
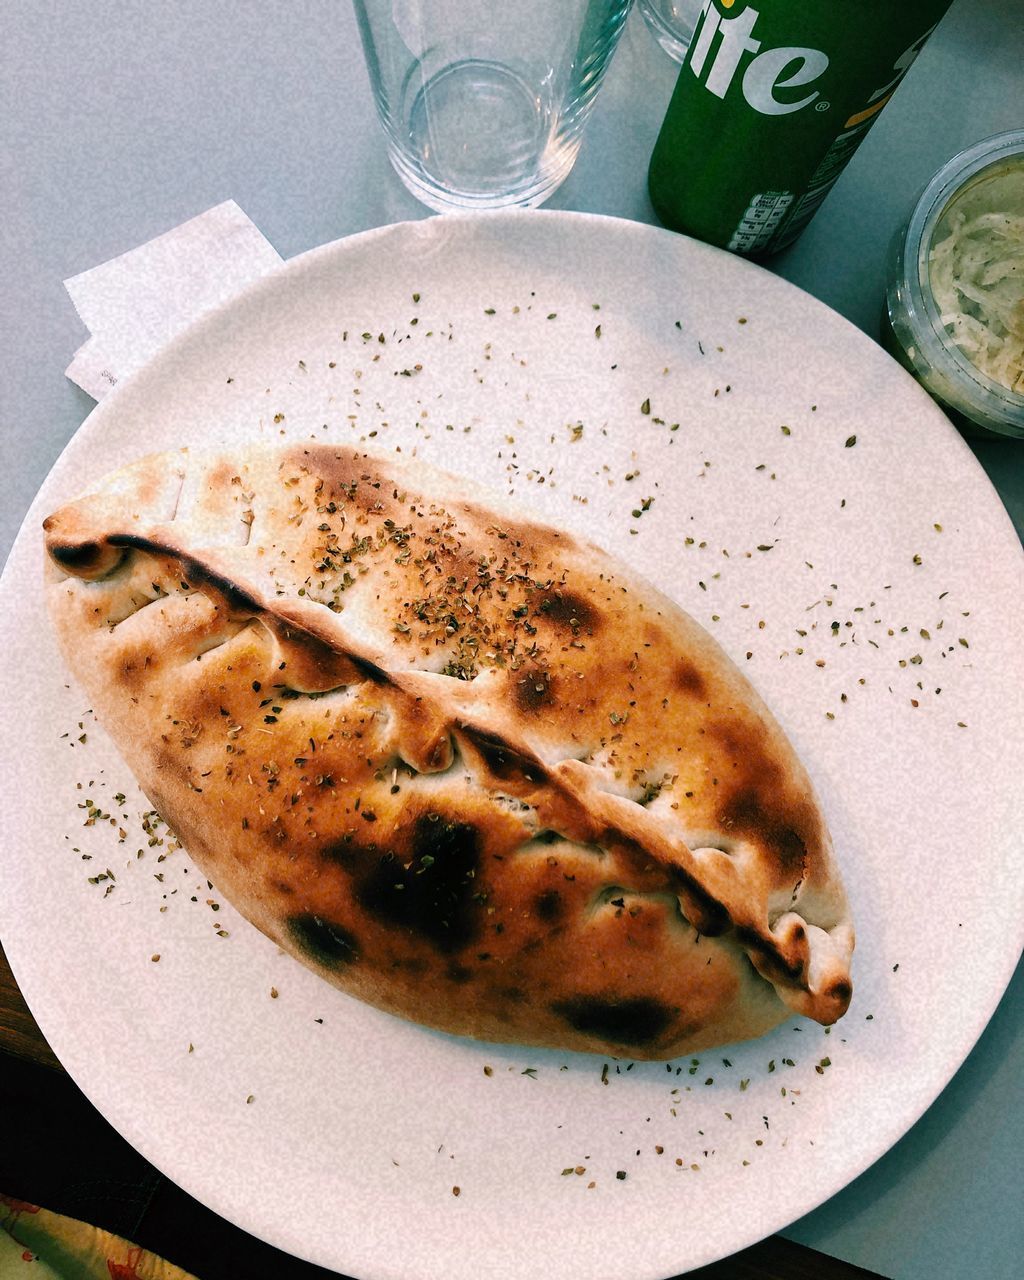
(467, 767)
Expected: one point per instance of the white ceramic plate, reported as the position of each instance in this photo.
(553, 355)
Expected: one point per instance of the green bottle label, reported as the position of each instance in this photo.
(773, 99)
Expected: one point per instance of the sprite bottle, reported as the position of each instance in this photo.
(773, 99)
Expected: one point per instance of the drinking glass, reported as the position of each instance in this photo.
(672, 22)
(483, 102)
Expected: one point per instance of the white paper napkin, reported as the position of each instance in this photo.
(133, 304)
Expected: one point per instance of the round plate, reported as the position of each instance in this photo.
(771, 469)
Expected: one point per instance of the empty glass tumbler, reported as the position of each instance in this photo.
(483, 102)
(673, 23)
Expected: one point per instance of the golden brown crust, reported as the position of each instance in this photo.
(465, 766)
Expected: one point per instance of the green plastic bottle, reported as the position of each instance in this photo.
(773, 99)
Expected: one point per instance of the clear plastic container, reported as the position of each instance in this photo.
(981, 189)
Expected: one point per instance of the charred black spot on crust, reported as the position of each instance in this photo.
(329, 944)
(76, 555)
(546, 836)
(841, 991)
(458, 973)
(689, 679)
(435, 894)
(714, 919)
(368, 670)
(195, 572)
(767, 954)
(743, 809)
(704, 911)
(788, 843)
(532, 690)
(199, 574)
(321, 654)
(548, 906)
(503, 760)
(638, 1021)
(747, 811)
(344, 852)
(566, 609)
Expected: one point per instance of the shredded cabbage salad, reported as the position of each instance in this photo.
(977, 280)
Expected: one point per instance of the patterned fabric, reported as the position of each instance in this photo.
(36, 1244)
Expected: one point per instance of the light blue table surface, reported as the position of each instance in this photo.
(120, 119)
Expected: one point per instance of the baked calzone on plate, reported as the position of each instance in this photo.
(467, 767)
